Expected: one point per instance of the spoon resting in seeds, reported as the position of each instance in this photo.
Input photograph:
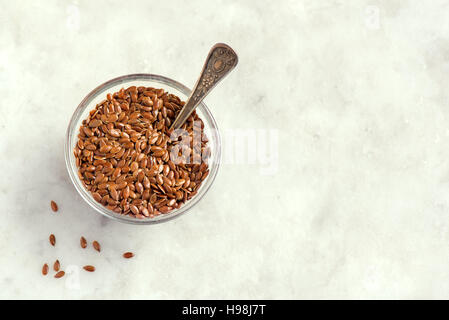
(219, 62)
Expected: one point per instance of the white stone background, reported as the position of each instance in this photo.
(358, 91)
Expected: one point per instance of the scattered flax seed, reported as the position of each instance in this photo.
(128, 255)
(96, 246)
(83, 242)
(45, 269)
(54, 206)
(52, 239)
(60, 274)
(56, 265)
(89, 268)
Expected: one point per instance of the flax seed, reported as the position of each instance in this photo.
(52, 239)
(128, 255)
(56, 265)
(54, 206)
(89, 268)
(83, 242)
(96, 246)
(45, 269)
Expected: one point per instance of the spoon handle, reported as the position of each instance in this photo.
(219, 62)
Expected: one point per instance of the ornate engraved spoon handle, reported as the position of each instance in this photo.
(219, 62)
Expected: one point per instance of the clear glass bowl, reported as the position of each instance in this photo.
(148, 80)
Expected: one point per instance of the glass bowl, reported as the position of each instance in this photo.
(149, 80)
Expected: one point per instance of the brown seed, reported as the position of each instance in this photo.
(95, 123)
(60, 274)
(150, 208)
(96, 196)
(146, 195)
(165, 209)
(125, 193)
(83, 242)
(54, 206)
(145, 212)
(179, 195)
(45, 269)
(52, 239)
(116, 172)
(166, 181)
(114, 194)
(146, 183)
(134, 166)
(159, 153)
(115, 149)
(132, 195)
(114, 133)
(134, 209)
(103, 185)
(112, 118)
(56, 265)
(141, 173)
(87, 131)
(139, 187)
(89, 268)
(106, 148)
(96, 246)
(121, 185)
(156, 148)
(128, 255)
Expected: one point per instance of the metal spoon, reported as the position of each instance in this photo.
(219, 62)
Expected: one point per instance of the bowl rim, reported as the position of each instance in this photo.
(85, 194)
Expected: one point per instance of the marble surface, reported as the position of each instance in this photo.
(355, 205)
